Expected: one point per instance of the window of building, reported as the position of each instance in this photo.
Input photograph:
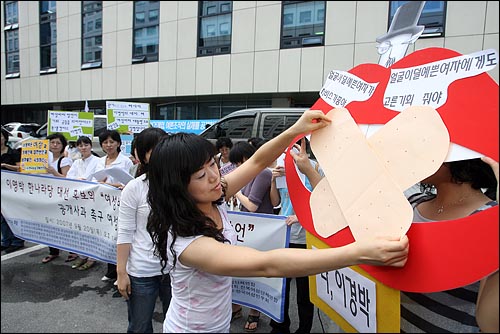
(302, 24)
(433, 17)
(206, 109)
(146, 31)
(91, 34)
(11, 30)
(214, 28)
(48, 37)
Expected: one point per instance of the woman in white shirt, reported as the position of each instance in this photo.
(58, 163)
(85, 166)
(140, 280)
(110, 142)
(81, 169)
(58, 166)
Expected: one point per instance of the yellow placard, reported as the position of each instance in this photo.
(388, 299)
(35, 156)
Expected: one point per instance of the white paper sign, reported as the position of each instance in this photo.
(116, 173)
(351, 295)
(263, 232)
(427, 85)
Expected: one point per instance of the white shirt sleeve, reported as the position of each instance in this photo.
(127, 212)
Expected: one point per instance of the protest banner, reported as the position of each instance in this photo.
(74, 215)
(71, 124)
(183, 125)
(127, 117)
(35, 156)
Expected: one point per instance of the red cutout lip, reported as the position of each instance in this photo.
(443, 255)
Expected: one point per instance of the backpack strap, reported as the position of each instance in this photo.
(59, 170)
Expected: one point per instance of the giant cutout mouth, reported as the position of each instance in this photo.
(446, 254)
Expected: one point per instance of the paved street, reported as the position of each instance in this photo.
(53, 298)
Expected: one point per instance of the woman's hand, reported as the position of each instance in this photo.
(278, 171)
(310, 120)
(124, 287)
(292, 219)
(301, 157)
(51, 170)
(385, 251)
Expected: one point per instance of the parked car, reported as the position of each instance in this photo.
(11, 141)
(21, 130)
(264, 123)
(100, 123)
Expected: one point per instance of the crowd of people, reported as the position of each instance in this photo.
(175, 241)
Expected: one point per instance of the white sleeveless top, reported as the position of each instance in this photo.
(201, 302)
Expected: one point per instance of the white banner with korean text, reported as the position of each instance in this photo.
(74, 215)
(263, 232)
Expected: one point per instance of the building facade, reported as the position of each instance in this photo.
(205, 59)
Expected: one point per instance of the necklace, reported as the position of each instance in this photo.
(440, 209)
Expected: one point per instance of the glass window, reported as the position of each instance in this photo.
(273, 125)
(12, 50)
(303, 24)
(215, 25)
(185, 111)
(48, 37)
(206, 109)
(146, 31)
(47, 7)
(165, 112)
(11, 13)
(153, 15)
(11, 33)
(140, 18)
(91, 34)
(433, 17)
(239, 128)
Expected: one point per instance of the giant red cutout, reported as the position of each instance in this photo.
(443, 255)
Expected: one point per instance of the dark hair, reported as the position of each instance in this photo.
(261, 143)
(308, 148)
(132, 145)
(113, 134)
(256, 141)
(83, 140)
(146, 140)
(174, 212)
(61, 137)
(240, 152)
(5, 135)
(223, 141)
(474, 171)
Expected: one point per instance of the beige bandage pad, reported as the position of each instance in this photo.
(367, 177)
